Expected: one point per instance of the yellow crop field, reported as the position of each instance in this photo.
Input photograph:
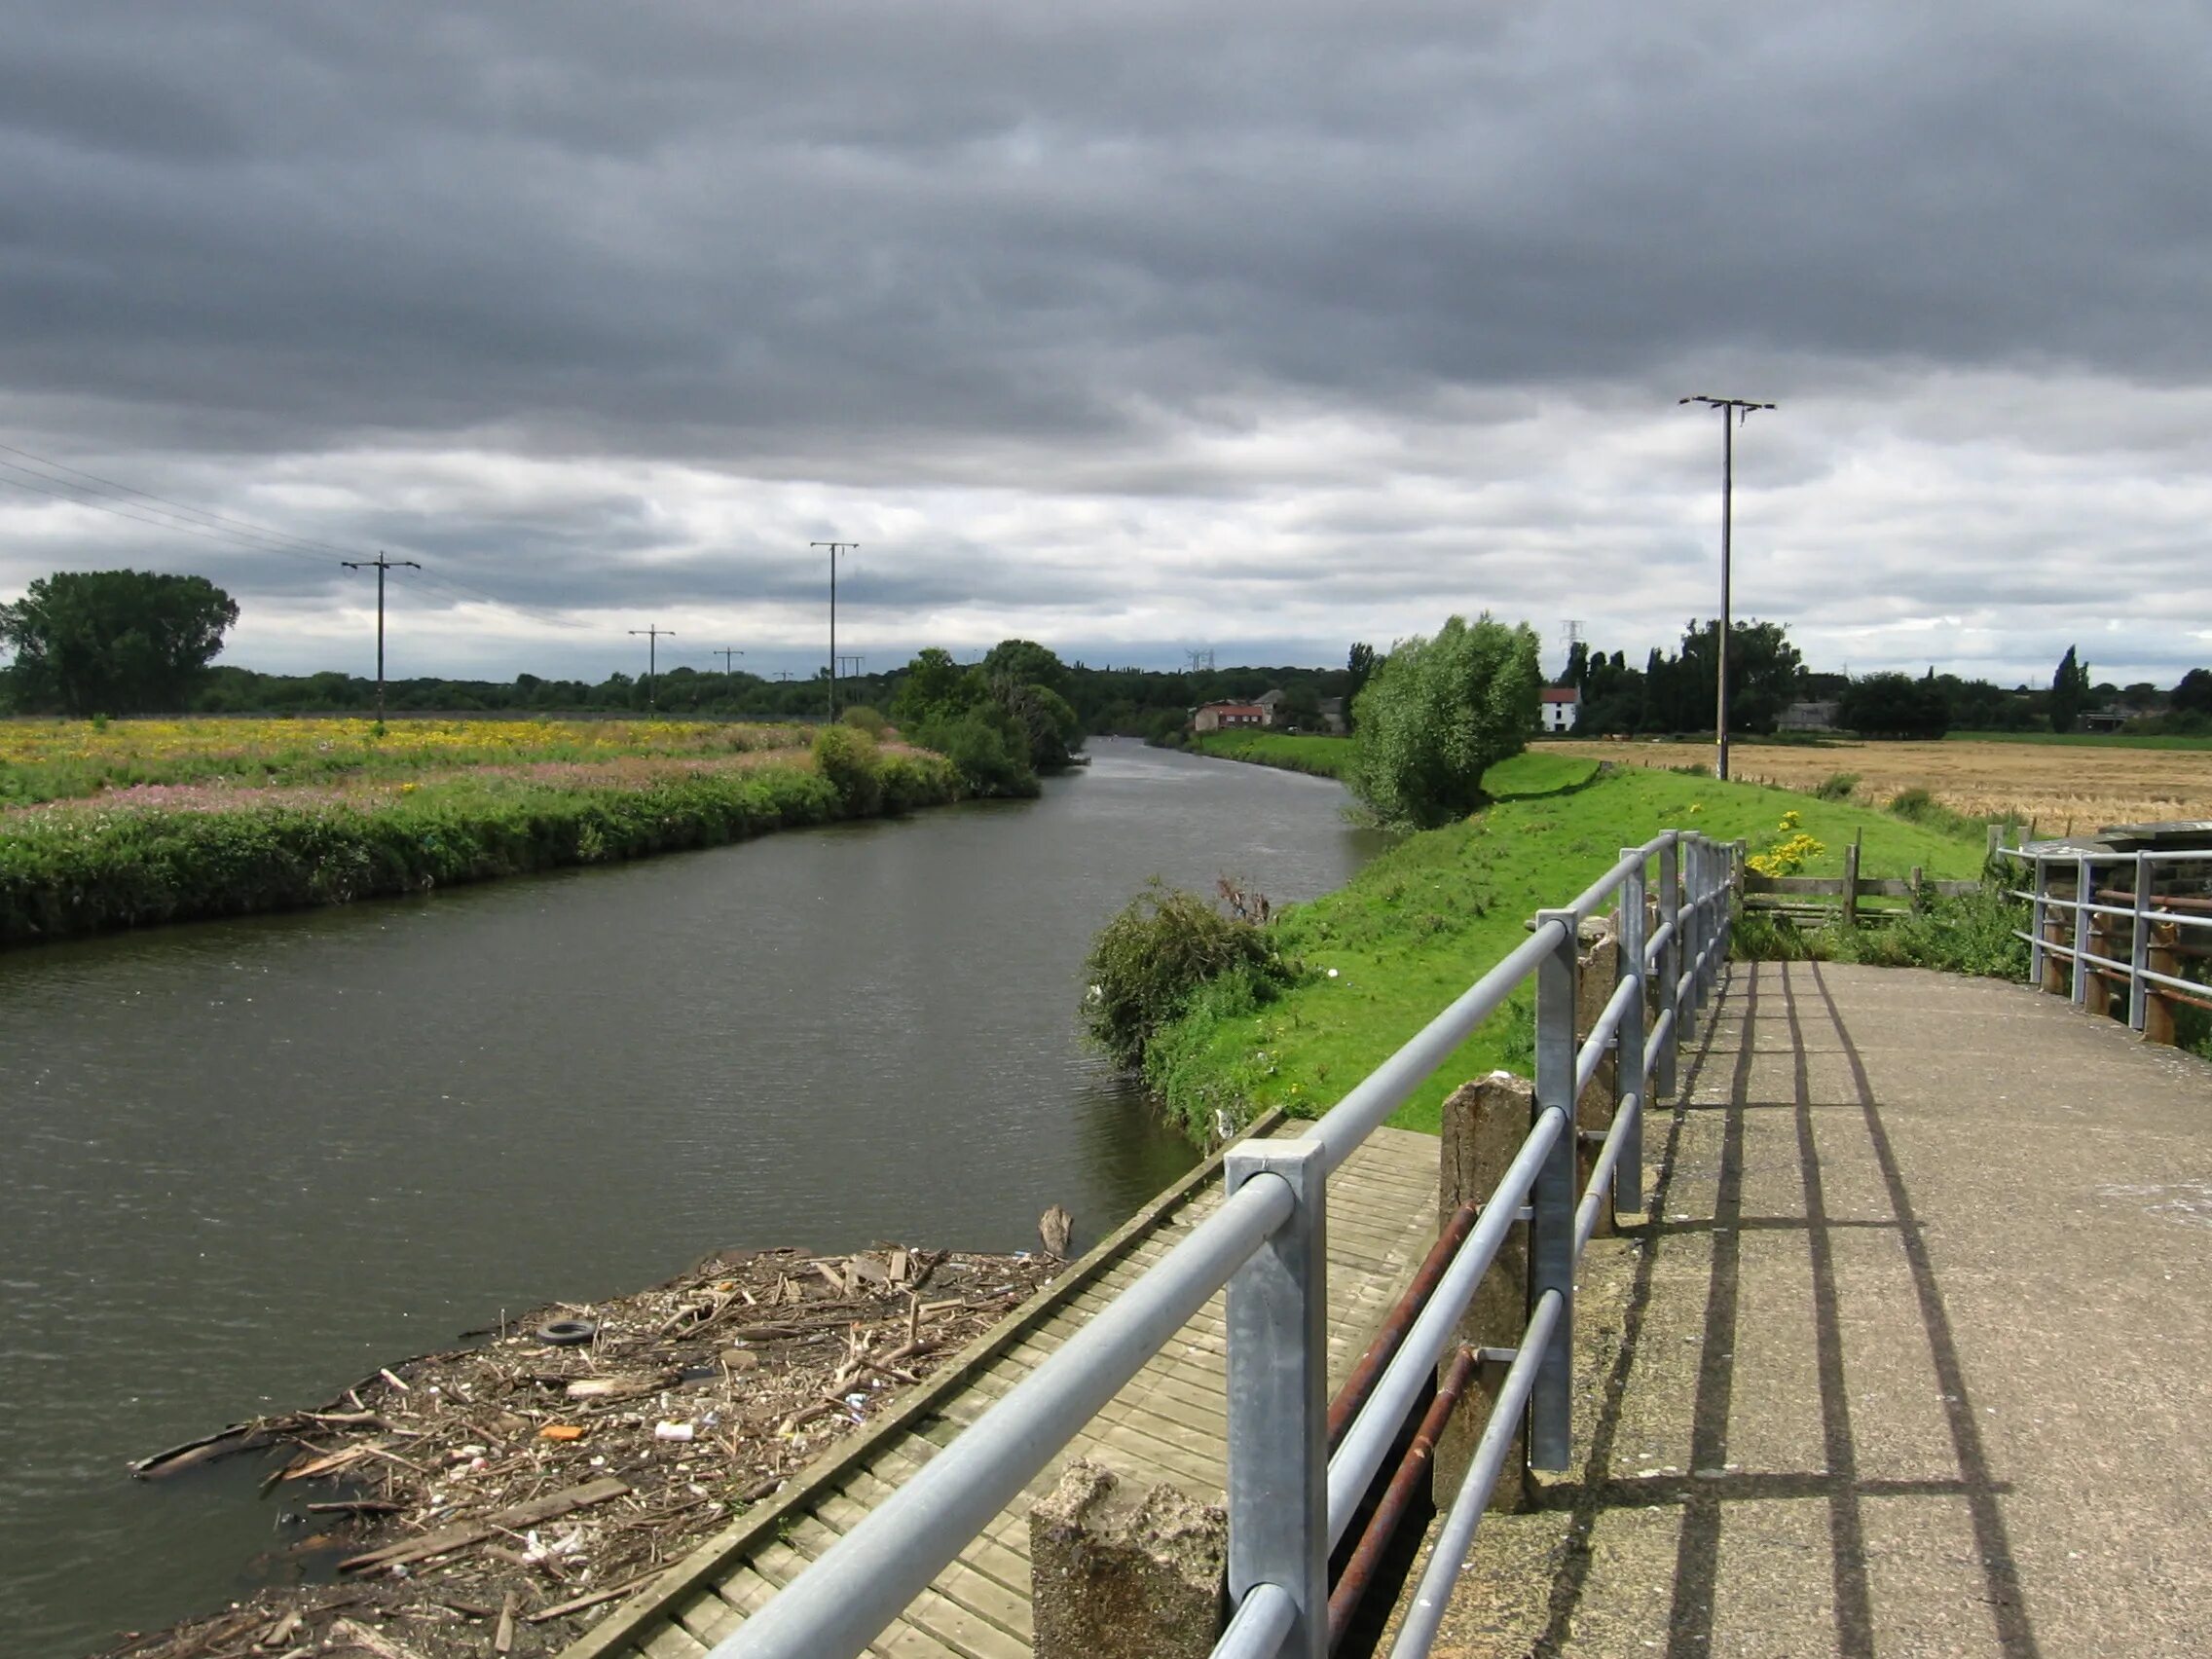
(2061, 787)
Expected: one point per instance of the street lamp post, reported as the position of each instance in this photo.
(1734, 412)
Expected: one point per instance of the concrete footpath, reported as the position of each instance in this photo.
(1915, 1356)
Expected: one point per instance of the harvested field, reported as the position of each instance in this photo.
(501, 1498)
(2061, 787)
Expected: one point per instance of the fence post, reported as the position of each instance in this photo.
(1596, 975)
(1484, 1123)
(1629, 1075)
(2084, 883)
(1552, 1200)
(1851, 881)
(1670, 959)
(1693, 929)
(1278, 1356)
(2139, 944)
(2036, 925)
(2157, 1007)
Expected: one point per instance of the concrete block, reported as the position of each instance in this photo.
(1122, 1572)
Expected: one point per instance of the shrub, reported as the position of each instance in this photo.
(1836, 786)
(860, 718)
(847, 757)
(1151, 961)
(987, 758)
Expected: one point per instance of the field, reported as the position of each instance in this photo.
(119, 824)
(2061, 787)
(141, 763)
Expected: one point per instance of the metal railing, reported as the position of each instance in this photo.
(2072, 933)
(1290, 1499)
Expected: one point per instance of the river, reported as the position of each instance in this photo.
(248, 1161)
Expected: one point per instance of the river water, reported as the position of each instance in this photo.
(248, 1161)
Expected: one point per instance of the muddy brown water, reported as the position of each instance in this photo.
(248, 1161)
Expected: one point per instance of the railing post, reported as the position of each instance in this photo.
(1279, 1357)
(2037, 923)
(1670, 960)
(2084, 881)
(1691, 930)
(2139, 944)
(1701, 893)
(1552, 1200)
(1629, 1075)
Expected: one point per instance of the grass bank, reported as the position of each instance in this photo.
(1323, 757)
(1533, 772)
(80, 867)
(1386, 954)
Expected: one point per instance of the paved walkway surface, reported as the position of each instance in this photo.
(1168, 1425)
(1915, 1357)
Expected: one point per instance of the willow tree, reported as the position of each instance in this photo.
(1439, 713)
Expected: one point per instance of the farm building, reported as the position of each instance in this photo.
(1229, 717)
(1562, 708)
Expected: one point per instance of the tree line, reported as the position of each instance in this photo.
(130, 641)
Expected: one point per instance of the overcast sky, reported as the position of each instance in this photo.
(1128, 327)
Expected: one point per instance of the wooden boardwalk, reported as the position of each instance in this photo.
(1168, 1425)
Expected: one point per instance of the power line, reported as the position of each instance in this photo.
(245, 525)
(380, 564)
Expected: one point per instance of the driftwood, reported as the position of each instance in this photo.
(431, 1481)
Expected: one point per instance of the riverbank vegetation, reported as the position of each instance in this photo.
(340, 817)
(1376, 960)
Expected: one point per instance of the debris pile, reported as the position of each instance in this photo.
(498, 1498)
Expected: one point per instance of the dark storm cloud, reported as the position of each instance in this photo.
(777, 230)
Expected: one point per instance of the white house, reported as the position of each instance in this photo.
(1561, 707)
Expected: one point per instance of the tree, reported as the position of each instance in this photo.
(113, 641)
(1439, 713)
(1028, 662)
(1359, 668)
(1894, 705)
(2069, 690)
(1763, 669)
(2193, 694)
(1577, 671)
(930, 690)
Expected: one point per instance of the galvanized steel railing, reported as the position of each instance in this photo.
(2073, 957)
(1290, 1499)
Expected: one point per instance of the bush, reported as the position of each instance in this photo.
(860, 718)
(1437, 714)
(1836, 786)
(989, 760)
(1968, 932)
(1152, 960)
(847, 757)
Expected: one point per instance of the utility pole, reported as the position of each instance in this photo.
(782, 675)
(1734, 412)
(835, 548)
(850, 666)
(652, 657)
(380, 564)
(728, 666)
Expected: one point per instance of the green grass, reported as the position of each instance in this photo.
(1323, 757)
(1426, 919)
(2079, 739)
(1533, 772)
